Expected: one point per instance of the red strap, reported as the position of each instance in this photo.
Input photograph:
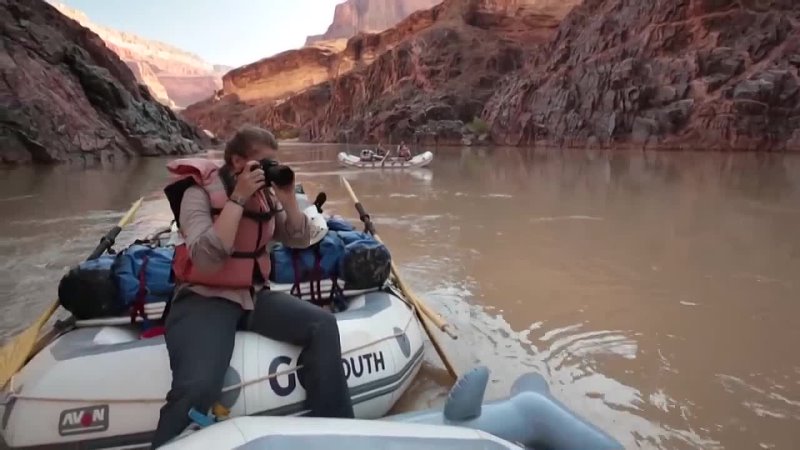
(153, 332)
(316, 277)
(296, 266)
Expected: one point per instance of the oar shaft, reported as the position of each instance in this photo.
(421, 310)
(131, 212)
(436, 345)
(435, 318)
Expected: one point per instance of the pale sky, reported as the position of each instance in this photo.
(230, 32)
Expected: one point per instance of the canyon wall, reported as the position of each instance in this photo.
(694, 74)
(293, 71)
(175, 77)
(283, 74)
(65, 96)
(699, 74)
(428, 75)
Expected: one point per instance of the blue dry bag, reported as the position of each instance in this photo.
(144, 273)
(318, 262)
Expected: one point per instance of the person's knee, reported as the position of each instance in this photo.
(327, 326)
(198, 392)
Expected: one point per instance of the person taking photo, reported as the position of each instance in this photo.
(227, 215)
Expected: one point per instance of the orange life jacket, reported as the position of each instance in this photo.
(256, 227)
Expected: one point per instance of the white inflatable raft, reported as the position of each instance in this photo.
(421, 160)
(102, 386)
(284, 433)
(530, 417)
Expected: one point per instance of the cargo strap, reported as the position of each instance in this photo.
(137, 309)
(336, 294)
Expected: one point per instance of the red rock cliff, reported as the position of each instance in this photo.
(371, 16)
(64, 95)
(293, 71)
(429, 74)
(700, 74)
(175, 77)
(283, 74)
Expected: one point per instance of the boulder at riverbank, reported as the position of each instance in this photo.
(65, 96)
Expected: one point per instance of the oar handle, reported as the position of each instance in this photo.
(362, 213)
(108, 240)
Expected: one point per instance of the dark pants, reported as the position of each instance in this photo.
(200, 335)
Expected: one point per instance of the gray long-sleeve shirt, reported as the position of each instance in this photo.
(209, 253)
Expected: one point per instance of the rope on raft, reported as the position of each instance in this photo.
(15, 395)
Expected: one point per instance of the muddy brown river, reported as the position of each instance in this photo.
(658, 293)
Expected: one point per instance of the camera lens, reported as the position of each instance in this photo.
(281, 175)
(276, 173)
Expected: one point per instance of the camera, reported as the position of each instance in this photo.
(276, 173)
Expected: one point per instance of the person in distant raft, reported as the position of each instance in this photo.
(403, 151)
(227, 216)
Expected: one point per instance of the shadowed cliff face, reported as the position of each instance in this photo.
(175, 77)
(65, 95)
(429, 74)
(371, 16)
(704, 74)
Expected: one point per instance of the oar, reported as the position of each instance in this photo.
(15, 353)
(421, 309)
(383, 161)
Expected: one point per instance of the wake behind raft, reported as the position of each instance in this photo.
(100, 386)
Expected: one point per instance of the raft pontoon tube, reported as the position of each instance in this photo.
(103, 386)
(288, 433)
(530, 418)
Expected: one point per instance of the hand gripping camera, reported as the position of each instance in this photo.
(276, 173)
